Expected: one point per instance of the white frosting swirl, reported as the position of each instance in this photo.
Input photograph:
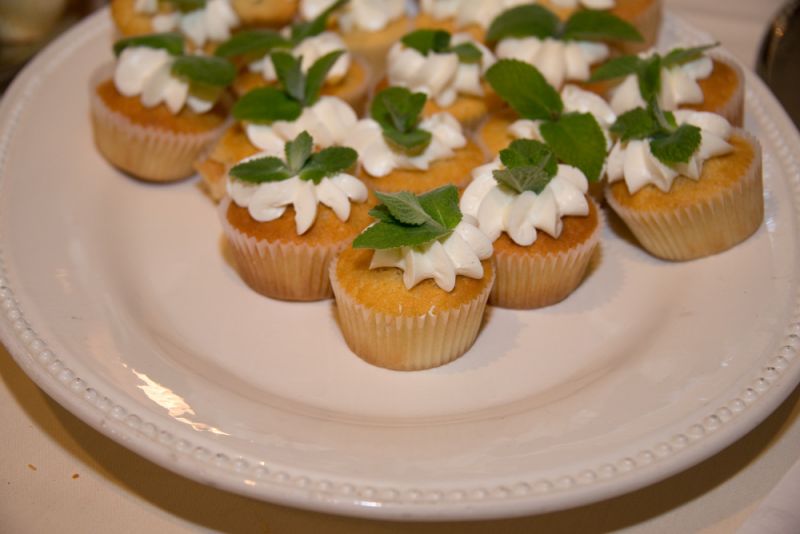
(442, 260)
(440, 76)
(329, 121)
(310, 50)
(379, 159)
(268, 201)
(499, 209)
(147, 72)
(467, 12)
(575, 100)
(634, 162)
(589, 4)
(678, 86)
(213, 22)
(557, 60)
(366, 15)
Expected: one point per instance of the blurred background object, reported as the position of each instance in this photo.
(779, 59)
(26, 26)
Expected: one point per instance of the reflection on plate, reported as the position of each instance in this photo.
(117, 299)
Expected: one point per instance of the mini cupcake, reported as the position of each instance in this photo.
(448, 69)
(644, 15)
(562, 52)
(411, 293)
(159, 110)
(203, 23)
(270, 116)
(538, 111)
(688, 78)
(400, 151)
(544, 226)
(347, 79)
(369, 27)
(282, 240)
(686, 184)
(470, 16)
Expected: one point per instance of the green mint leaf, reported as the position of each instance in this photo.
(521, 179)
(206, 70)
(385, 235)
(467, 53)
(328, 162)
(185, 6)
(382, 213)
(678, 146)
(397, 108)
(406, 208)
(637, 123)
(255, 43)
(593, 25)
(442, 205)
(303, 30)
(649, 77)
(617, 68)
(526, 153)
(524, 88)
(298, 151)
(290, 73)
(524, 21)
(257, 171)
(681, 56)
(427, 41)
(412, 143)
(266, 104)
(171, 42)
(577, 140)
(315, 78)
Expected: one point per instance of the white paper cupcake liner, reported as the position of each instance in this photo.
(146, 152)
(408, 343)
(281, 270)
(733, 108)
(707, 227)
(527, 282)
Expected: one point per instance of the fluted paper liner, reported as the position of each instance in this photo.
(707, 227)
(526, 282)
(281, 270)
(408, 343)
(146, 152)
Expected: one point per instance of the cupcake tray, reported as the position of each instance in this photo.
(118, 300)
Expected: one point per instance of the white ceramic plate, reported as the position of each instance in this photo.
(117, 301)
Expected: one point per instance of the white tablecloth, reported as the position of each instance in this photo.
(59, 475)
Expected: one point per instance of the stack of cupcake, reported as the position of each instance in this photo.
(417, 165)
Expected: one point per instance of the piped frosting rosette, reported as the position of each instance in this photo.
(212, 21)
(529, 205)
(430, 314)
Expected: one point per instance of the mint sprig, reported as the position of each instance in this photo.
(252, 43)
(407, 220)
(185, 6)
(575, 138)
(397, 110)
(670, 143)
(584, 25)
(300, 161)
(171, 42)
(438, 42)
(205, 70)
(530, 166)
(303, 30)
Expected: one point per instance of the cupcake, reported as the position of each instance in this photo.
(470, 16)
(448, 69)
(562, 52)
(270, 116)
(347, 79)
(368, 27)
(156, 113)
(688, 78)
(286, 218)
(544, 226)
(411, 292)
(644, 15)
(538, 111)
(400, 151)
(687, 184)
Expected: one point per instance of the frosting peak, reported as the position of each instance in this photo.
(367, 15)
(310, 50)
(212, 22)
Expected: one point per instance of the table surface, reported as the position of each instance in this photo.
(58, 473)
